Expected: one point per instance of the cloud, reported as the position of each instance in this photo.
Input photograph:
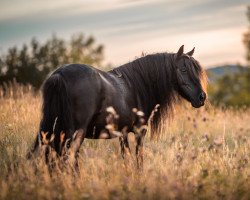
(132, 25)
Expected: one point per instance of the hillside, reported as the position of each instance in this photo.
(218, 71)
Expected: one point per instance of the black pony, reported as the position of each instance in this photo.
(76, 98)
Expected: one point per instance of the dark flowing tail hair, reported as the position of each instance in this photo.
(56, 110)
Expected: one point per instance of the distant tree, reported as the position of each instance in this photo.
(246, 38)
(231, 90)
(234, 90)
(32, 63)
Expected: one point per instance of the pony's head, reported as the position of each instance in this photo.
(190, 77)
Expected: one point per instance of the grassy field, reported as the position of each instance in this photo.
(201, 154)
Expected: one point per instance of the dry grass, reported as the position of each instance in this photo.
(203, 154)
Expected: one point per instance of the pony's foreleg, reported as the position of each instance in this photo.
(139, 136)
(125, 150)
(140, 130)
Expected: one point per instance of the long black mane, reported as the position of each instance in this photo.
(152, 78)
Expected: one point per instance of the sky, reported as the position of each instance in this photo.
(127, 28)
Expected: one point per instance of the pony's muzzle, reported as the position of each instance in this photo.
(202, 97)
(199, 101)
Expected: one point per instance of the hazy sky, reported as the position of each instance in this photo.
(127, 27)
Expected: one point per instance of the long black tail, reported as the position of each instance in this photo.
(56, 111)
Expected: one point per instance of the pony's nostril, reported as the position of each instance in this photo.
(202, 97)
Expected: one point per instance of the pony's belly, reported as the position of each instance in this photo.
(99, 127)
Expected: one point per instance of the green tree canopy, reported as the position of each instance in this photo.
(231, 90)
(246, 38)
(32, 63)
(234, 89)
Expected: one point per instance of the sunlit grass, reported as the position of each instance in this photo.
(201, 154)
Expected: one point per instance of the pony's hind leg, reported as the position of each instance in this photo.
(71, 154)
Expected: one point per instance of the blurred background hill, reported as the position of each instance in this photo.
(229, 85)
(216, 72)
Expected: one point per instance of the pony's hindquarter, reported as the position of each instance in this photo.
(56, 111)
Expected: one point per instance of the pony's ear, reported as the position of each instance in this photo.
(180, 52)
(190, 53)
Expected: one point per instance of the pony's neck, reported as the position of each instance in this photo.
(162, 85)
(151, 78)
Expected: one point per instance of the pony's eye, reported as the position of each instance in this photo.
(184, 70)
